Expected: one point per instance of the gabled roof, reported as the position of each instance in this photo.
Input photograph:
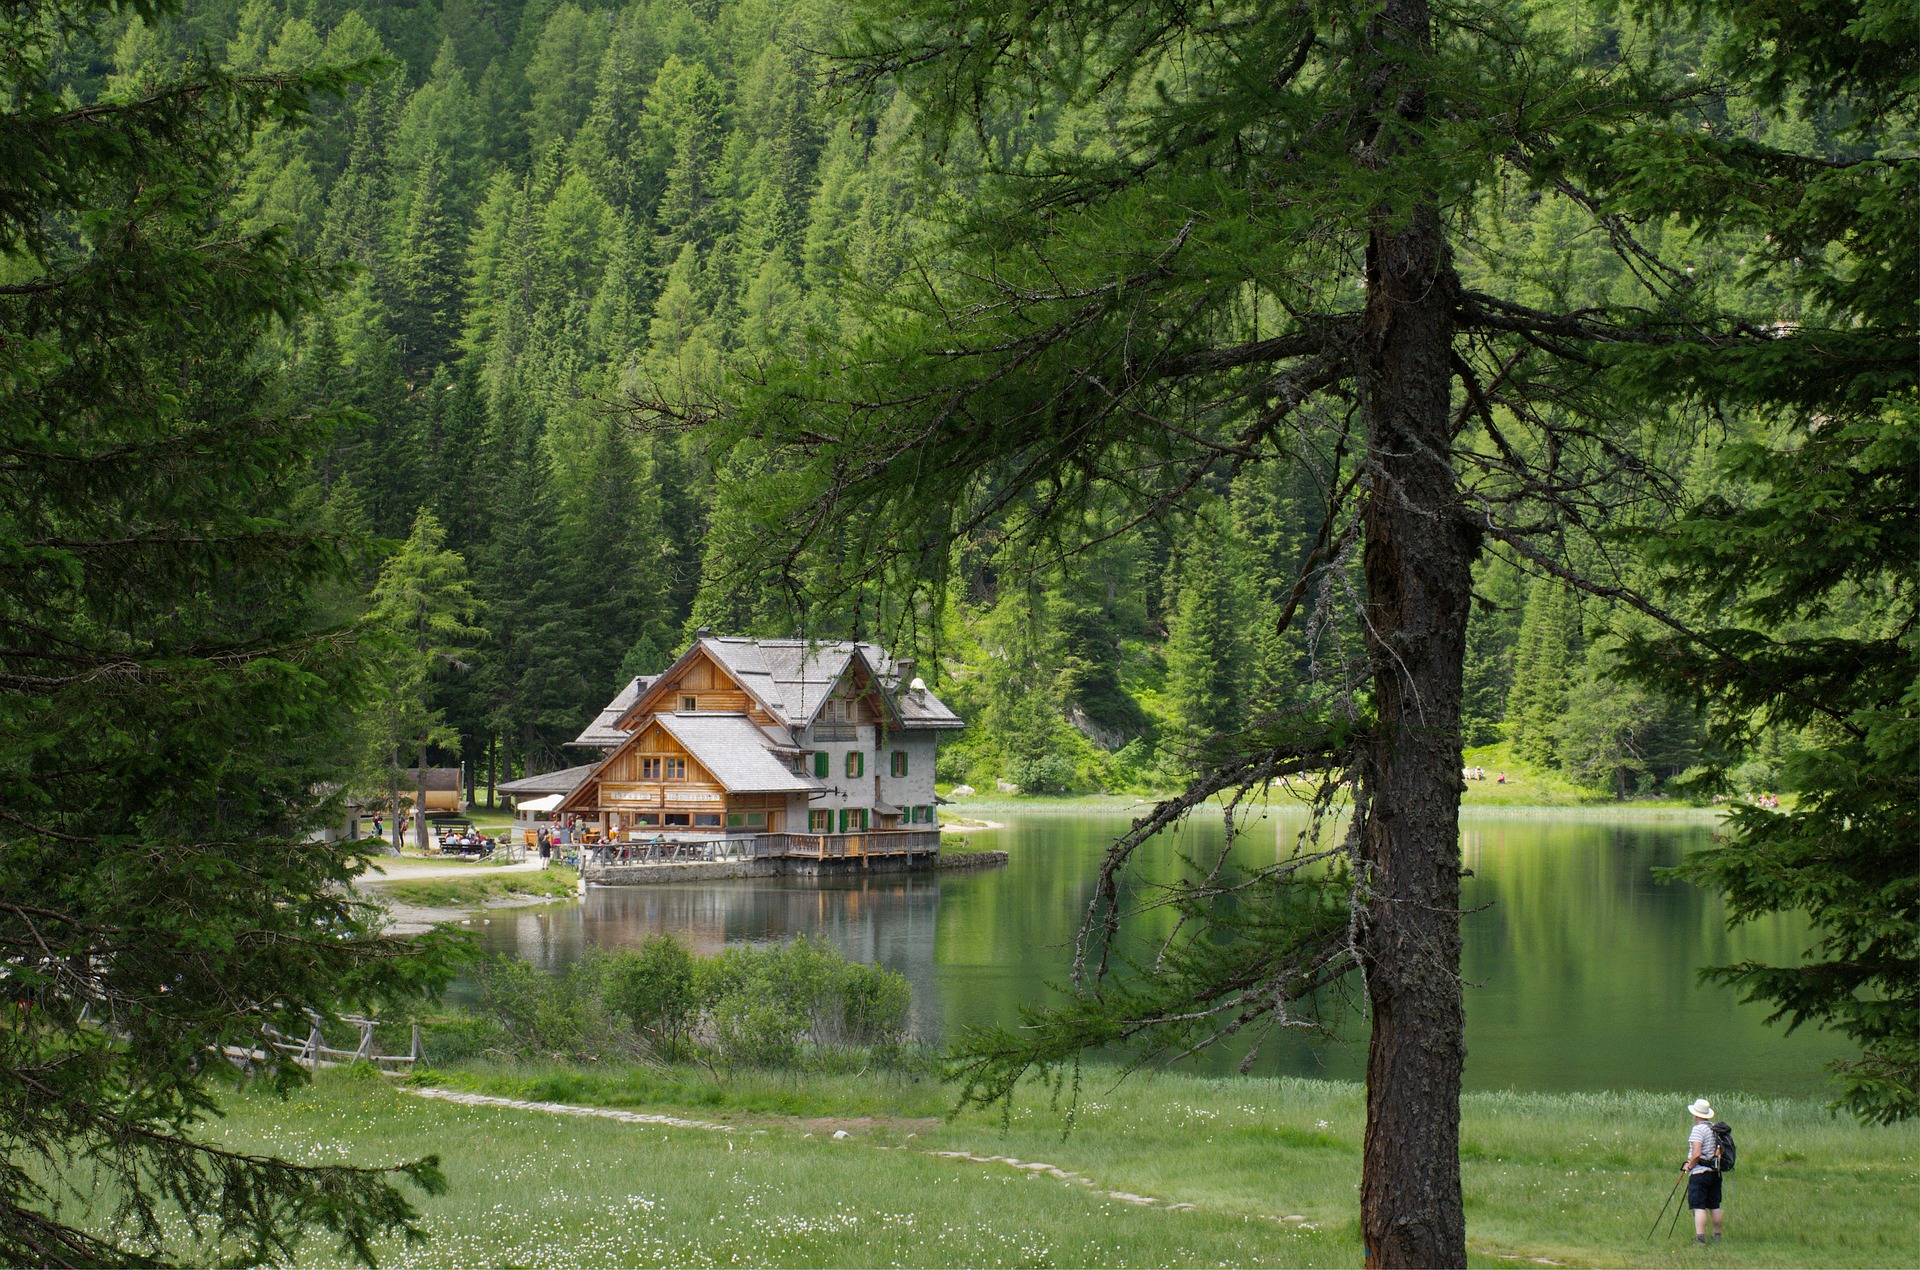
(734, 749)
(601, 734)
(564, 781)
(792, 679)
(730, 746)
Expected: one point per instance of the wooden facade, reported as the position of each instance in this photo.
(777, 738)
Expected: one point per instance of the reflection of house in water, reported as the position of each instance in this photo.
(884, 919)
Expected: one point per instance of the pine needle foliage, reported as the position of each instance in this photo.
(173, 709)
(1802, 560)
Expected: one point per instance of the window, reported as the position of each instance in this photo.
(853, 819)
(650, 818)
(676, 769)
(899, 762)
(649, 769)
(746, 820)
(820, 821)
(689, 703)
(856, 763)
(821, 762)
(677, 818)
(835, 712)
(706, 820)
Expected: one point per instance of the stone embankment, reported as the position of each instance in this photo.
(972, 860)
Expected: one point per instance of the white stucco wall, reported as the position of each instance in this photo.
(877, 782)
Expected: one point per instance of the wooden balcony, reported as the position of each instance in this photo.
(854, 846)
(600, 862)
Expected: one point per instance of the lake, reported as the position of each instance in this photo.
(1581, 966)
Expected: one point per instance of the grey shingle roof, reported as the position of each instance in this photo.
(735, 751)
(794, 676)
(601, 734)
(564, 781)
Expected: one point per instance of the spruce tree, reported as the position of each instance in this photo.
(1800, 559)
(426, 605)
(173, 711)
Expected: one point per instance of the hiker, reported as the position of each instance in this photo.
(1702, 1171)
(546, 849)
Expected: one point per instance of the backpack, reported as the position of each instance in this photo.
(1723, 1148)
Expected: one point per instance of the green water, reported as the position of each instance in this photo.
(1581, 967)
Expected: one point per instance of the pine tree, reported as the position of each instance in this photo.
(1202, 660)
(561, 74)
(1545, 665)
(172, 709)
(426, 272)
(425, 603)
(1801, 558)
(685, 114)
(1254, 264)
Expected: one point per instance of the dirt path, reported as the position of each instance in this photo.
(405, 870)
(826, 1127)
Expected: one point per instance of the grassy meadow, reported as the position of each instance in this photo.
(1225, 1162)
(556, 882)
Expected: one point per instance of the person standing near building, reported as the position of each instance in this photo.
(1702, 1170)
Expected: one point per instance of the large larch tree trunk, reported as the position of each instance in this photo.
(1417, 564)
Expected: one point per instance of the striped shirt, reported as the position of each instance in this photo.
(1709, 1146)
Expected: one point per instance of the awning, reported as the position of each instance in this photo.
(540, 804)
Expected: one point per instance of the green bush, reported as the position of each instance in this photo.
(1042, 774)
(768, 1002)
(559, 1015)
(800, 1003)
(656, 990)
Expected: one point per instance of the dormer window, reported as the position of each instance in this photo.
(689, 703)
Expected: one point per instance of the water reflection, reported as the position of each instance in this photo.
(1581, 965)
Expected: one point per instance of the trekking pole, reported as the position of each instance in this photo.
(1675, 1223)
(1663, 1210)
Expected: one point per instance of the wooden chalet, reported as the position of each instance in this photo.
(816, 749)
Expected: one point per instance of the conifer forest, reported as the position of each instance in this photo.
(554, 211)
(1206, 396)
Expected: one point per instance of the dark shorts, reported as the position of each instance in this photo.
(1703, 1190)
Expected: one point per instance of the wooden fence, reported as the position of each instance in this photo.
(313, 1053)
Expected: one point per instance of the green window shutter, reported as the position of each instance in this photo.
(899, 762)
(856, 763)
(843, 820)
(820, 764)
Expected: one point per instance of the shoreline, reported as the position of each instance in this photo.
(1140, 805)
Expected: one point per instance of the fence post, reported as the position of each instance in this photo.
(414, 1053)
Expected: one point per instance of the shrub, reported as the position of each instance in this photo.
(656, 990)
(766, 1002)
(876, 1006)
(1042, 774)
(559, 1015)
(755, 1005)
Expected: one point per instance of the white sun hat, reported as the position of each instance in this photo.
(1701, 1108)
